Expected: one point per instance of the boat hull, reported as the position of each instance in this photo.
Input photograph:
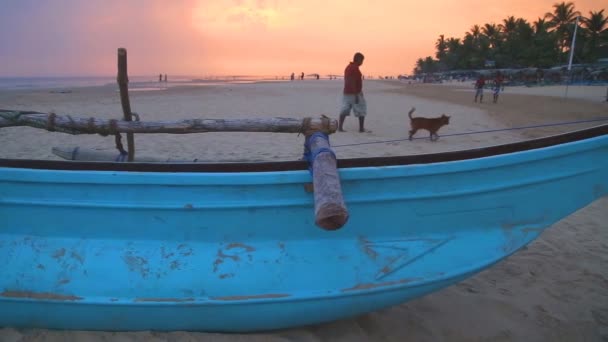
(116, 250)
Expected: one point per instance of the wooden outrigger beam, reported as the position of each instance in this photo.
(79, 125)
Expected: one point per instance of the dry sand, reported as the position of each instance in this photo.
(556, 289)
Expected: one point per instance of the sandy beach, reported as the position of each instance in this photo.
(556, 289)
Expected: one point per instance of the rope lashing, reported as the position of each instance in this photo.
(307, 129)
(50, 122)
(309, 154)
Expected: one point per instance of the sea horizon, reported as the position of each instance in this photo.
(135, 81)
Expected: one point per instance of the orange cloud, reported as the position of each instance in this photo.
(224, 17)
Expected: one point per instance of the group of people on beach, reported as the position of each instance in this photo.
(496, 87)
(293, 76)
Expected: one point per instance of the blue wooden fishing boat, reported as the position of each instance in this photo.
(233, 247)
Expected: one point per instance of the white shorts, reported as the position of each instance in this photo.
(348, 103)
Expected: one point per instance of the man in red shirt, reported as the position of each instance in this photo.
(352, 98)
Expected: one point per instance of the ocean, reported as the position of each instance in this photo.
(135, 82)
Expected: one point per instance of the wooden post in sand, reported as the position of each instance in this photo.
(123, 85)
(330, 210)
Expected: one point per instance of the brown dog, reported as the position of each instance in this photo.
(430, 124)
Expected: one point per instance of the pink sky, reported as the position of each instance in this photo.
(239, 37)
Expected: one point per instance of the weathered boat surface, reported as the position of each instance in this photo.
(239, 251)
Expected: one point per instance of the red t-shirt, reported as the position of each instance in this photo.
(353, 79)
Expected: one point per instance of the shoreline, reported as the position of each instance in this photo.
(77, 82)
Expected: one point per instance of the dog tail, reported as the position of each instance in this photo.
(411, 112)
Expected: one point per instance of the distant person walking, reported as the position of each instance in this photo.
(160, 77)
(352, 98)
(293, 76)
(497, 85)
(165, 77)
(302, 76)
(479, 84)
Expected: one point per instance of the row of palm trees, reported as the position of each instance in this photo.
(516, 43)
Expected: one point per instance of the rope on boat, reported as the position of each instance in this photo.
(479, 132)
(310, 155)
(307, 128)
(50, 122)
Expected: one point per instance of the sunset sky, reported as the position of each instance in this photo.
(239, 37)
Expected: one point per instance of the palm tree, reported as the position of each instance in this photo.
(474, 47)
(596, 26)
(430, 64)
(441, 47)
(561, 20)
(544, 50)
(452, 58)
(523, 29)
(508, 25)
(419, 66)
(426, 65)
(506, 57)
(469, 52)
(540, 26)
(475, 33)
(523, 43)
(453, 44)
(492, 31)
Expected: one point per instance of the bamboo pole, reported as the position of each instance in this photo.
(123, 84)
(79, 125)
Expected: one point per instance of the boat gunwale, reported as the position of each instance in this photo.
(240, 167)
